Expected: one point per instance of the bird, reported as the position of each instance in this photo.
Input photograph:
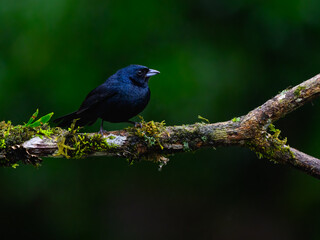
(122, 96)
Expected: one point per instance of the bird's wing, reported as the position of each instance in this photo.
(96, 96)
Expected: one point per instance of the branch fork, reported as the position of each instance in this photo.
(155, 141)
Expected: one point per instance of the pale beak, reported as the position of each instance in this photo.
(152, 72)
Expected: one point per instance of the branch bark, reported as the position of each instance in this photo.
(154, 141)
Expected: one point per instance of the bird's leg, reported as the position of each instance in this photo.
(102, 131)
(136, 124)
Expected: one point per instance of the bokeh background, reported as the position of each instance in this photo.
(218, 59)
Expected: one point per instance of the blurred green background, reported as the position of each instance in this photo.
(219, 59)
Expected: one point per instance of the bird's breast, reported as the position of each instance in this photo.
(128, 103)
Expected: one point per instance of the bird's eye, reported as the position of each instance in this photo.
(139, 73)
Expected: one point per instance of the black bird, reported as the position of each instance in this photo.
(121, 97)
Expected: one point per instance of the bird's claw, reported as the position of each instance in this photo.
(102, 132)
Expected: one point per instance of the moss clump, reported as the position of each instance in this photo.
(297, 92)
(2, 143)
(12, 136)
(150, 132)
(235, 119)
(270, 145)
(72, 144)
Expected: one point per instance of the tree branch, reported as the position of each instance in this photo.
(154, 141)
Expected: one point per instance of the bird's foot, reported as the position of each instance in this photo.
(102, 132)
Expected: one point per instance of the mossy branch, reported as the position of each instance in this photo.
(155, 141)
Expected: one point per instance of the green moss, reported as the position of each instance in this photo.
(150, 132)
(111, 137)
(15, 165)
(235, 119)
(12, 136)
(2, 143)
(219, 134)
(72, 144)
(272, 128)
(270, 145)
(186, 147)
(283, 91)
(204, 138)
(203, 119)
(297, 92)
(149, 136)
(47, 131)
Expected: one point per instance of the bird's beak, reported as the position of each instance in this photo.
(152, 72)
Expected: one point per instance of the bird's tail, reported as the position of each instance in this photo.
(82, 119)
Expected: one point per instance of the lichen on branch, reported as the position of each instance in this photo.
(154, 141)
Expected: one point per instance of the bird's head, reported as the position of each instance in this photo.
(138, 75)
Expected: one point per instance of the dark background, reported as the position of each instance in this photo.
(219, 59)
